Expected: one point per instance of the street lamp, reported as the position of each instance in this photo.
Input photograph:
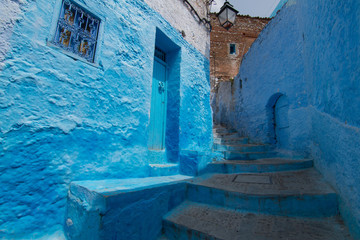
(227, 15)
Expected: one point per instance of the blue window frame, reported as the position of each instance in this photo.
(77, 31)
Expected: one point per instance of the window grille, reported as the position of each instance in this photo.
(160, 54)
(77, 31)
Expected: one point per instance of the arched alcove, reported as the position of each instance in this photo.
(278, 122)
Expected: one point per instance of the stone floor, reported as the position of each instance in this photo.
(284, 183)
(254, 193)
(208, 222)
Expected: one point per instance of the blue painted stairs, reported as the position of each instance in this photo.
(254, 193)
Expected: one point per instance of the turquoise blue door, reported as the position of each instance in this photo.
(158, 103)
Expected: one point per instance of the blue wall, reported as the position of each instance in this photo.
(310, 53)
(278, 7)
(63, 119)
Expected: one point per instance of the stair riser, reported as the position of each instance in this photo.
(248, 156)
(259, 148)
(298, 205)
(223, 130)
(231, 141)
(175, 231)
(252, 168)
(155, 171)
(226, 136)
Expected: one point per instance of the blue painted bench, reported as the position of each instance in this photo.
(122, 208)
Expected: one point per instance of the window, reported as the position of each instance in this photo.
(232, 48)
(160, 54)
(77, 31)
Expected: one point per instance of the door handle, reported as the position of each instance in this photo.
(161, 87)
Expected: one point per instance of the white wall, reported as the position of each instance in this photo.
(179, 15)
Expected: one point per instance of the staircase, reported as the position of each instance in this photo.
(255, 194)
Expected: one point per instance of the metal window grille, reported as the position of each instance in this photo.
(77, 31)
(160, 54)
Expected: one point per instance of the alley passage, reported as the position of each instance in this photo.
(256, 193)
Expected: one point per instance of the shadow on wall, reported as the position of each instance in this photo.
(278, 123)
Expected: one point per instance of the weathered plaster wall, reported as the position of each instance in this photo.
(224, 102)
(180, 16)
(332, 63)
(278, 7)
(275, 70)
(63, 119)
(310, 53)
(10, 11)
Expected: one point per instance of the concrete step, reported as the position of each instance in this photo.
(223, 130)
(115, 208)
(215, 126)
(198, 221)
(163, 237)
(292, 193)
(233, 155)
(242, 147)
(232, 141)
(257, 166)
(231, 135)
(156, 170)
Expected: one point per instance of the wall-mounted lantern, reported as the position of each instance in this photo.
(227, 15)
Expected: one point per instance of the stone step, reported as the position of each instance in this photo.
(198, 221)
(292, 193)
(231, 135)
(233, 155)
(163, 237)
(223, 130)
(218, 126)
(242, 147)
(156, 170)
(115, 208)
(257, 166)
(232, 141)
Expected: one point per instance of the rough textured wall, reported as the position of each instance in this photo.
(332, 69)
(10, 11)
(310, 53)
(223, 104)
(179, 15)
(63, 119)
(278, 7)
(223, 65)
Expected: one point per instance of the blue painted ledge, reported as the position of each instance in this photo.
(122, 208)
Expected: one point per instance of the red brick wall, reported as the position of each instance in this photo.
(224, 65)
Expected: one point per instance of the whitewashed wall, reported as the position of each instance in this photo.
(179, 15)
(9, 14)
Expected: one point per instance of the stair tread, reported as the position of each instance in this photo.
(263, 161)
(303, 182)
(240, 152)
(234, 139)
(246, 145)
(243, 145)
(226, 224)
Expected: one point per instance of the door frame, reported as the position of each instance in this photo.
(163, 134)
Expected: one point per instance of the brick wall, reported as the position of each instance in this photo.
(223, 65)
